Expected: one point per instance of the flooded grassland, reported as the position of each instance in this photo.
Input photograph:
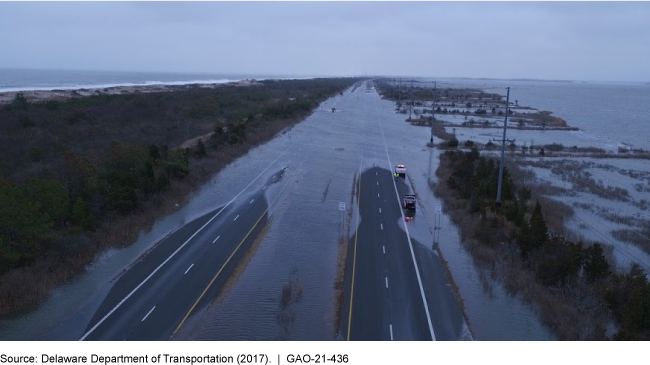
(592, 193)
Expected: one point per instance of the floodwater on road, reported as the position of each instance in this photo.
(322, 157)
(302, 242)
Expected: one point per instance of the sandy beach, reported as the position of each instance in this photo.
(57, 94)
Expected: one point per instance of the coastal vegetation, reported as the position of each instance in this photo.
(573, 286)
(86, 173)
(480, 109)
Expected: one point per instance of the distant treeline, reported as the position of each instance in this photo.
(571, 284)
(405, 92)
(69, 167)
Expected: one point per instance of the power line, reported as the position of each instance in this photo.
(614, 245)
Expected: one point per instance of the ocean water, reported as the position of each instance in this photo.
(24, 79)
(608, 115)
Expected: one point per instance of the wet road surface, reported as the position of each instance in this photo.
(153, 297)
(393, 299)
(129, 292)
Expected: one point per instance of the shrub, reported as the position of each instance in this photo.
(453, 143)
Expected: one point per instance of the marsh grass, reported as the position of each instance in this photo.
(574, 311)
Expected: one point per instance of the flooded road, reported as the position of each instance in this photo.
(302, 242)
(283, 287)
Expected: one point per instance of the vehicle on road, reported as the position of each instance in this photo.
(400, 171)
(409, 202)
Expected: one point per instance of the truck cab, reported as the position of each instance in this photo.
(409, 202)
(400, 171)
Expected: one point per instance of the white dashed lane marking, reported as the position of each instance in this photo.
(145, 317)
(215, 240)
(188, 269)
(236, 217)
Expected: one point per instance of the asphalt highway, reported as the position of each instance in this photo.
(395, 287)
(153, 297)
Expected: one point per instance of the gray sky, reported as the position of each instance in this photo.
(541, 40)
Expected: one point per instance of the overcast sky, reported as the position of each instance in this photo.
(546, 40)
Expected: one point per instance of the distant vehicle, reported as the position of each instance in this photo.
(409, 215)
(333, 110)
(400, 171)
(409, 202)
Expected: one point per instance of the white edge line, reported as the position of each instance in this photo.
(215, 240)
(148, 313)
(175, 252)
(188, 269)
(408, 236)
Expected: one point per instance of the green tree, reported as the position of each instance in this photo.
(176, 164)
(21, 224)
(560, 262)
(538, 229)
(52, 197)
(200, 149)
(595, 265)
(162, 183)
(154, 153)
(80, 217)
(20, 102)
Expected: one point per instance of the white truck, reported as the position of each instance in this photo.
(400, 171)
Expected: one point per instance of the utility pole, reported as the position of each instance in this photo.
(411, 97)
(503, 148)
(399, 90)
(433, 120)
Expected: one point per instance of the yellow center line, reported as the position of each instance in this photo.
(354, 257)
(227, 261)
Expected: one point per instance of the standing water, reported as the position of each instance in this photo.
(323, 156)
